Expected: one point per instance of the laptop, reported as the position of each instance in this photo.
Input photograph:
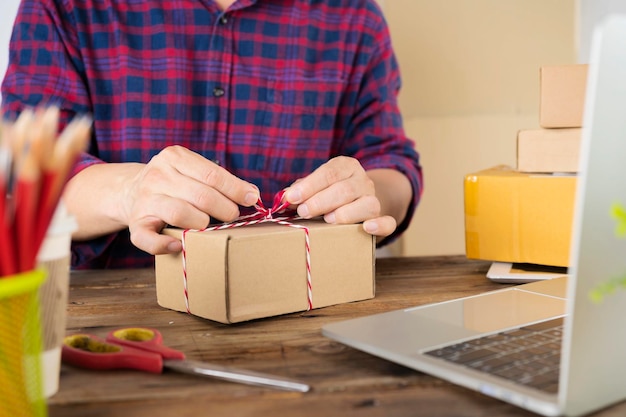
(571, 348)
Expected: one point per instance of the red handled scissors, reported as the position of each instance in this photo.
(142, 348)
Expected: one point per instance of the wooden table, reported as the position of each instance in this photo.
(345, 382)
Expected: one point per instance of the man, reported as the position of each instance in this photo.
(201, 107)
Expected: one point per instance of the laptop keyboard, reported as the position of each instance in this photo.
(530, 355)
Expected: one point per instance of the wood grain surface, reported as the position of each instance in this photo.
(344, 381)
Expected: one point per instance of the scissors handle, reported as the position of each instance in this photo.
(88, 351)
(144, 338)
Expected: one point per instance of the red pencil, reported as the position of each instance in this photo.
(48, 130)
(7, 251)
(8, 262)
(26, 155)
(27, 188)
(68, 146)
(31, 190)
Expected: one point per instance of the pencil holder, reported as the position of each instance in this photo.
(54, 257)
(21, 391)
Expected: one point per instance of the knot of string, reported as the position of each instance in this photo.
(278, 207)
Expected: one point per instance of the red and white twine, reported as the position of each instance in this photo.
(262, 215)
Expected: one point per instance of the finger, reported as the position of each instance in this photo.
(333, 171)
(195, 166)
(145, 235)
(172, 211)
(342, 195)
(364, 208)
(192, 199)
(167, 180)
(380, 226)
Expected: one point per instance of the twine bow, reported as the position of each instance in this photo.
(261, 215)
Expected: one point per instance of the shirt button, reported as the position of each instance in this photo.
(218, 92)
(223, 19)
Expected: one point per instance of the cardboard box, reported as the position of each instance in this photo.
(257, 271)
(548, 150)
(519, 217)
(562, 95)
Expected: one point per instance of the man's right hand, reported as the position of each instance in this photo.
(177, 187)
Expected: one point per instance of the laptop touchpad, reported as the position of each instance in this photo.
(493, 311)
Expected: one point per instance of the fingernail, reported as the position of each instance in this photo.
(251, 198)
(174, 247)
(303, 211)
(330, 218)
(370, 227)
(294, 195)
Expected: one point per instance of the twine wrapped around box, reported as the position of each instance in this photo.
(261, 215)
(232, 274)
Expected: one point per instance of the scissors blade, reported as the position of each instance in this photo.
(234, 375)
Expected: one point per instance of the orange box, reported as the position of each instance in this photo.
(548, 150)
(518, 217)
(258, 271)
(562, 95)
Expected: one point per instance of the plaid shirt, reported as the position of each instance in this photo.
(271, 89)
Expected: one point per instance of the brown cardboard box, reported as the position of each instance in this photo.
(518, 217)
(548, 150)
(257, 271)
(562, 95)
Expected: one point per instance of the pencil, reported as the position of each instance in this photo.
(7, 252)
(35, 164)
(15, 137)
(68, 146)
(48, 130)
(27, 188)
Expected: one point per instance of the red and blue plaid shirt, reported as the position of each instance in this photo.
(271, 89)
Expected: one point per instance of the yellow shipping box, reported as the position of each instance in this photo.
(562, 95)
(257, 271)
(548, 150)
(518, 217)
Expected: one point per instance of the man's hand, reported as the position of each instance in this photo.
(177, 187)
(343, 192)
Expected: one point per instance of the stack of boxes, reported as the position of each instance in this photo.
(525, 215)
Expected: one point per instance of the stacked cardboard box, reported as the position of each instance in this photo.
(562, 95)
(525, 215)
(555, 145)
(517, 217)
